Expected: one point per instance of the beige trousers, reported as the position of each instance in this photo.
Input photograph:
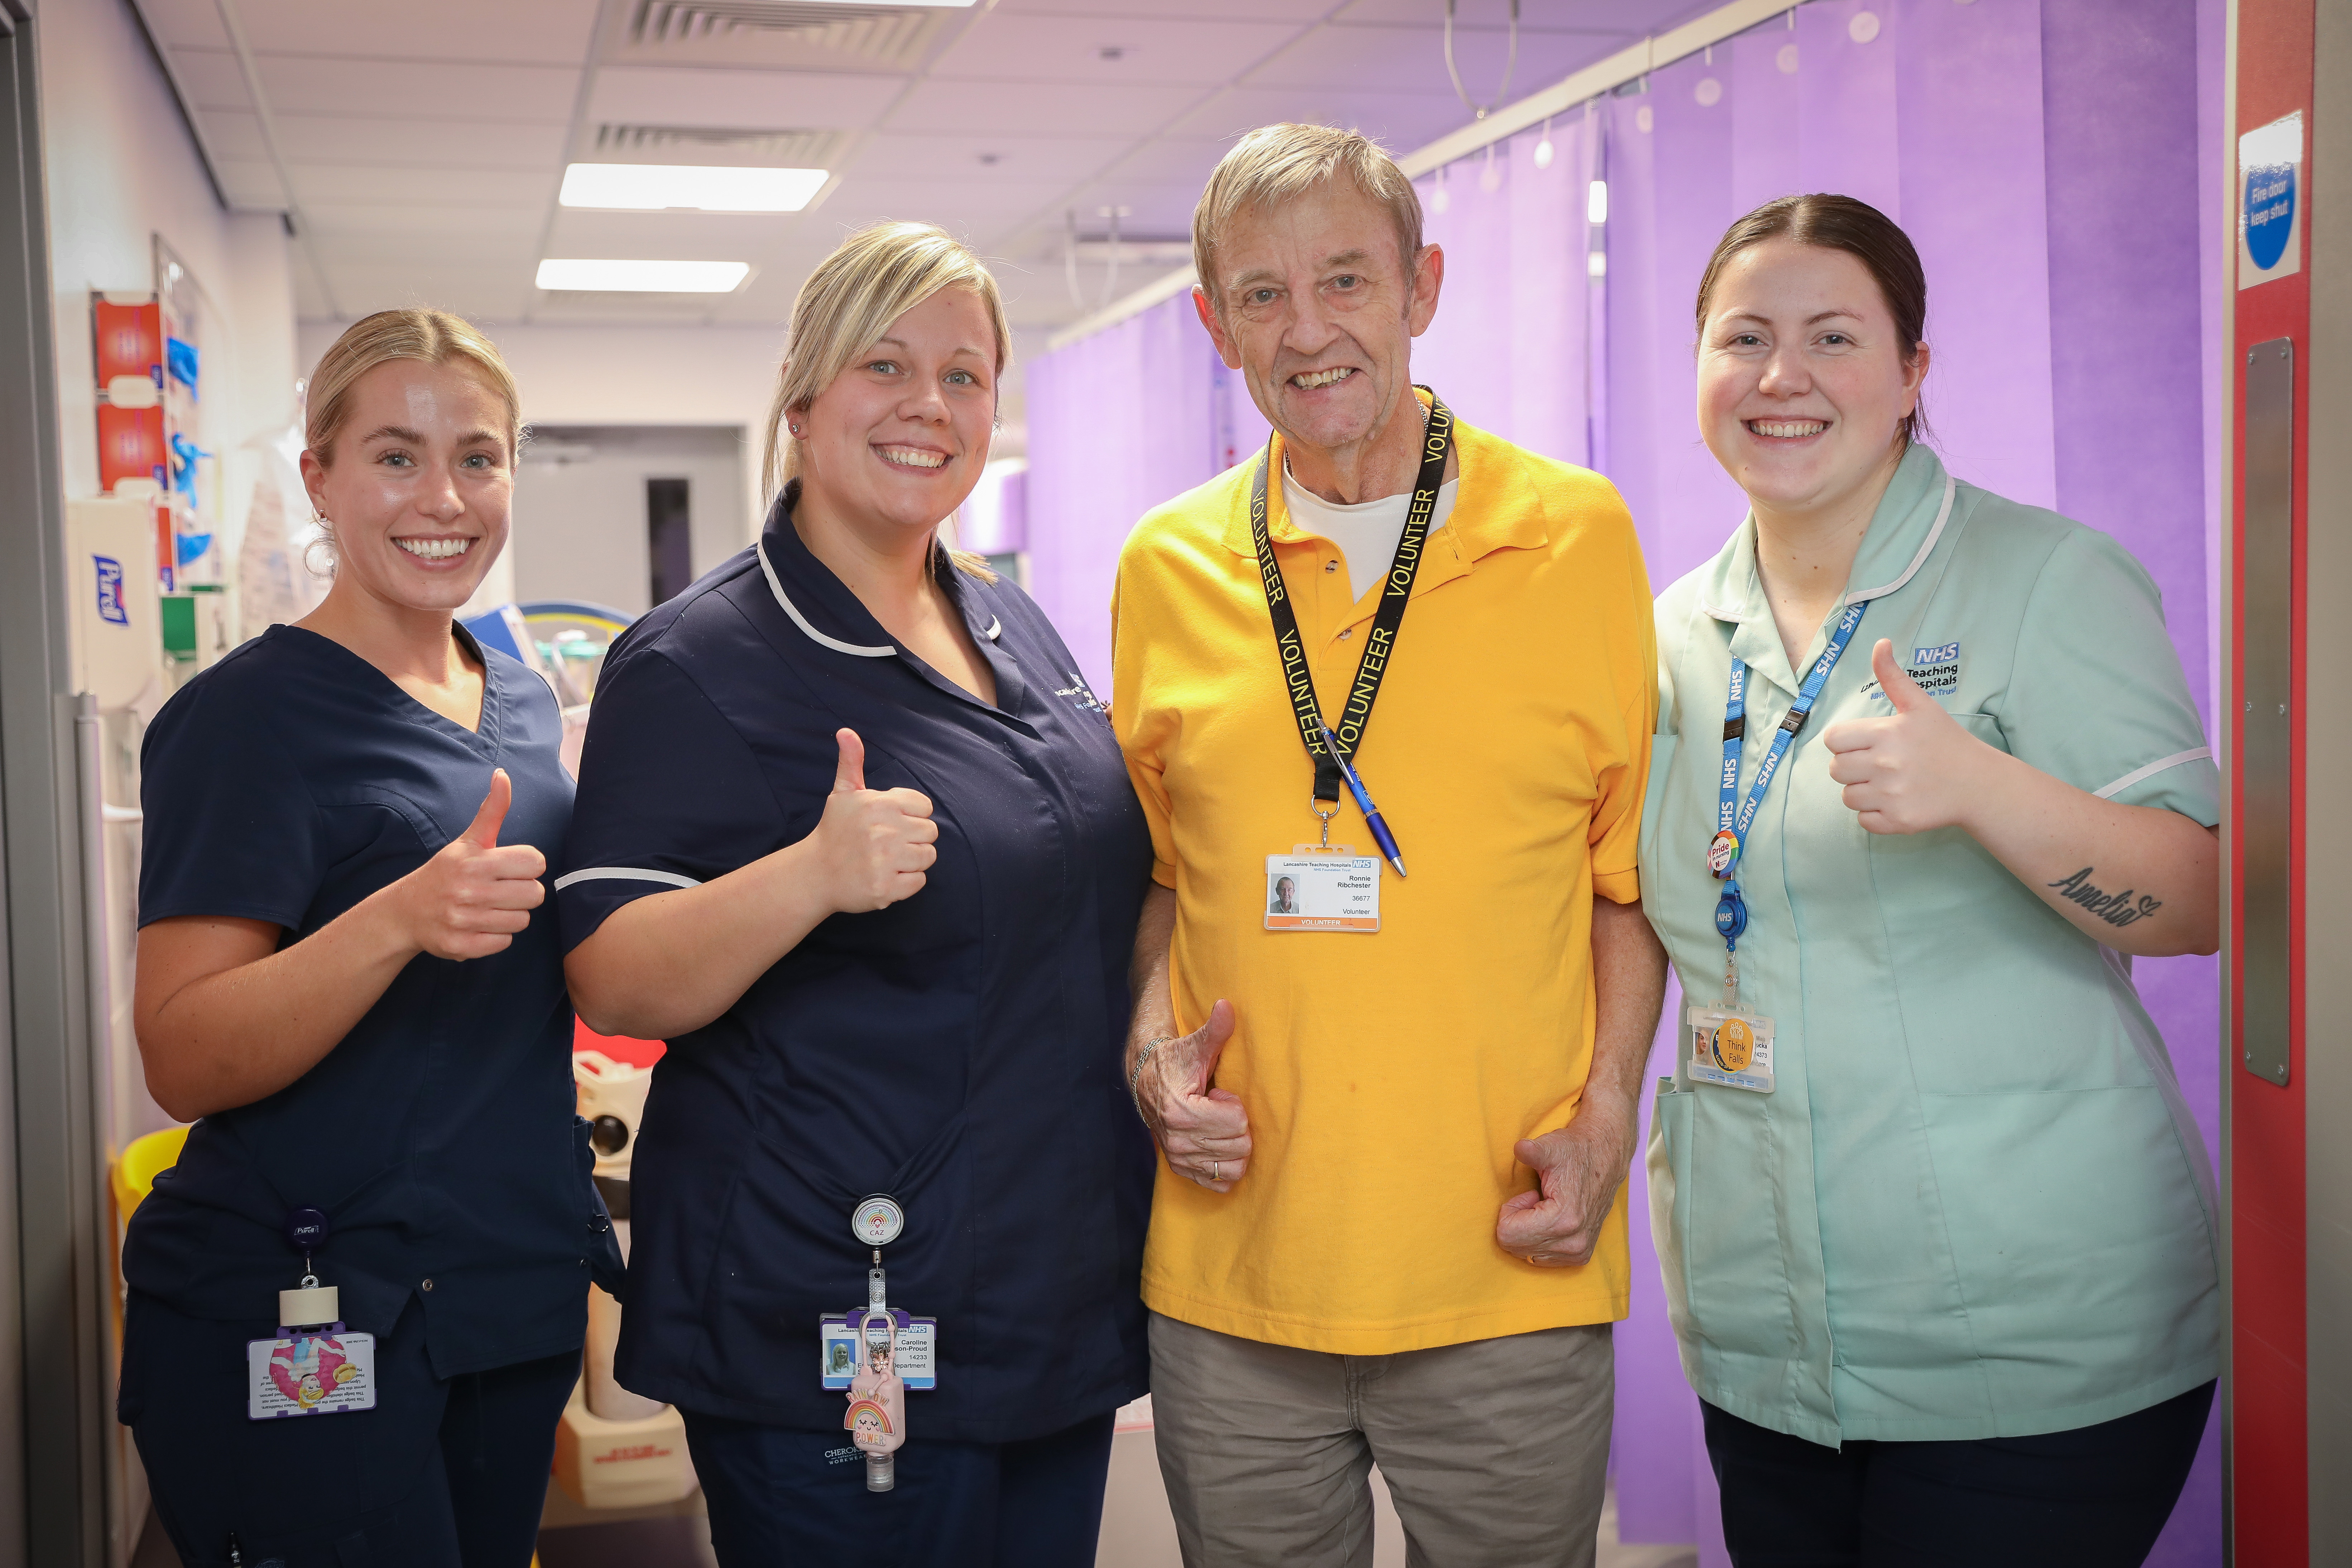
(1495, 1452)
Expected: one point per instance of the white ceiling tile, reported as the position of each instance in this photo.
(672, 237)
(476, 292)
(453, 143)
(1171, 159)
(234, 135)
(302, 85)
(469, 31)
(250, 183)
(176, 24)
(1412, 60)
(983, 159)
(972, 219)
(1399, 121)
(745, 99)
(1205, 11)
(1163, 210)
(458, 189)
(427, 248)
(959, 107)
(362, 218)
(1029, 48)
(211, 79)
(1634, 16)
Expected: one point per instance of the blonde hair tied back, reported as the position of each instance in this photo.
(432, 337)
(877, 275)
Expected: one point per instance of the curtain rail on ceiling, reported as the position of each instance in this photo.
(1602, 75)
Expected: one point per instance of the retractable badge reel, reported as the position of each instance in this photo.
(876, 1353)
(313, 1366)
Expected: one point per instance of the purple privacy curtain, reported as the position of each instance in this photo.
(1119, 422)
(2045, 156)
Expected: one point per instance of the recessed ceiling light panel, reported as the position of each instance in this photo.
(655, 188)
(645, 276)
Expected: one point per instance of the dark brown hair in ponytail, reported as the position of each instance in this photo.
(1863, 232)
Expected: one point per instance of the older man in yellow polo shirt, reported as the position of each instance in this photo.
(1396, 1115)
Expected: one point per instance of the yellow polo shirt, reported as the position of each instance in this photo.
(1387, 1076)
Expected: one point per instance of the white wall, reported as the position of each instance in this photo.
(121, 170)
(631, 377)
(580, 522)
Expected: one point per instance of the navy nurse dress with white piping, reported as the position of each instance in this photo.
(959, 1050)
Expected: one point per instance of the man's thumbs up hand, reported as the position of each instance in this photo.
(1914, 773)
(469, 899)
(874, 846)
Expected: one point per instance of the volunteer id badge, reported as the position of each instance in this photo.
(914, 1358)
(317, 1374)
(1315, 889)
(1731, 1046)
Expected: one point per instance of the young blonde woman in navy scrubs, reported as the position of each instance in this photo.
(348, 977)
(857, 840)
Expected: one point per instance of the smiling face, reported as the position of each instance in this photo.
(1802, 377)
(1318, 307)
(419, 487)
(899, 437)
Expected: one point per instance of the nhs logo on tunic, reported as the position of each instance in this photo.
(109, 590)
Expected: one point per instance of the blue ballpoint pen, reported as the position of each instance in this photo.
(1380, 834)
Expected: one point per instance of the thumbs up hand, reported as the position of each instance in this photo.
(873, 846)
(469, 899)
(1915, 772)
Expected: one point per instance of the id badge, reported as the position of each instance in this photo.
(320, 1373)
(1323, 889)
(1731, 1046)
(838, 1352)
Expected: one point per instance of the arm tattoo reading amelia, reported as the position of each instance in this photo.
(2116, 909)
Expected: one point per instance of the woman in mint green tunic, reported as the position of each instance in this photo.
(1938, 1231)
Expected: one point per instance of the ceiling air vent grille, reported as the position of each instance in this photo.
(883, 33)
(665, 143)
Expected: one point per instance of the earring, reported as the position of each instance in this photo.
(796, 430)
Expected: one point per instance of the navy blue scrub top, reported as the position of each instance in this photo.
(959, 1050)
(286, 783)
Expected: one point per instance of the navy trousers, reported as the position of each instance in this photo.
(783, 1498)
(443, 1473)
(2095, 1497)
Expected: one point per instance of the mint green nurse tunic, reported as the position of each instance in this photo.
(1975, 1204)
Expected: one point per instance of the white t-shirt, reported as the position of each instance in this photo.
(1367, 532)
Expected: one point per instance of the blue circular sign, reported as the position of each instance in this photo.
(2269, 212)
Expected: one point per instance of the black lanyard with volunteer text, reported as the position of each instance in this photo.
(1347, 733)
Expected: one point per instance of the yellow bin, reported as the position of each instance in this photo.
(136, 1172)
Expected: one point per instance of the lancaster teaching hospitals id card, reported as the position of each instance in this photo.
(1729, 1045)
(317, 1374)
(914, 1359)
(1306, 891)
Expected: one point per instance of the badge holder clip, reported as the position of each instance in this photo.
(875, 1354)
(313, 1365)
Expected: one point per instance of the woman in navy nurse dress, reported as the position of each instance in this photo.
(855, 838)
(348, 975)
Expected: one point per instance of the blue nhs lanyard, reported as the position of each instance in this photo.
(1733, 816)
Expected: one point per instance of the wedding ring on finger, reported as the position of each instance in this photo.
(1216, 1170)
